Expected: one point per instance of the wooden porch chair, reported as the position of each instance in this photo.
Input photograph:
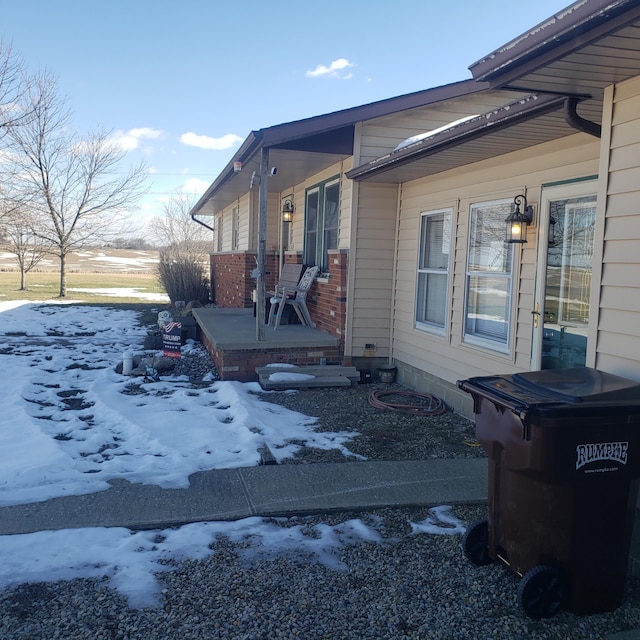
(294, 296)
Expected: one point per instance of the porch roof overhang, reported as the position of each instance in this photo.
(302, 148)
(294, 164)
(530, 120)
(578, 51)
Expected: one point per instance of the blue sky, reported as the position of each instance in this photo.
(183, 83)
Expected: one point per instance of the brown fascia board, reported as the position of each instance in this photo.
(578, 25)
(279, 135)
(285, 135)
(494, 120)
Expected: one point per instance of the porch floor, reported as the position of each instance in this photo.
(229, 335)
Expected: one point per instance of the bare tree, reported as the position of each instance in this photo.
(22, 240)
(14, 86)
(174, 228)
(73, 185)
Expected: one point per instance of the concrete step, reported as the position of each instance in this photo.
(323, 376)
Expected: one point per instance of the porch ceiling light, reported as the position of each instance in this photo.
(518, 221)
(287, 210)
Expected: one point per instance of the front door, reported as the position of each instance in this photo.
(565, 252)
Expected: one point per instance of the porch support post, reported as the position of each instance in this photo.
(262, 242)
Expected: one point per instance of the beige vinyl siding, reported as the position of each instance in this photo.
(449, 357)
(245, 222)
(227, 225)
(273, 220)
(371, 261)
(346, 203)
(618, 341)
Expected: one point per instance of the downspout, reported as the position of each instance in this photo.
(578, 122)
(204, 224)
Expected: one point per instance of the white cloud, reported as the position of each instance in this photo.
(195, 186)
(334, 70)
(206, 142)
(130, 140)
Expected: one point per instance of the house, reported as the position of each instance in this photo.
(345, 228)
(465, 303)
(403, 204)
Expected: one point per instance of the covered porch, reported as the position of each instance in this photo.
(229, 335)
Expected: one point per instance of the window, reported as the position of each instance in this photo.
(235, 237)
(322, 209)
(433, 270)
(489, 276)
(220, 232)
(569, 260)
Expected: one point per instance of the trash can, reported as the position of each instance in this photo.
(564, 458)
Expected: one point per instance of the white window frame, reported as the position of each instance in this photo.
(424, 273)
(220, 243)
(499, 257)
(235, 229)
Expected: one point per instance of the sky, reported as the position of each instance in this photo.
(62, 450)
(181, 85)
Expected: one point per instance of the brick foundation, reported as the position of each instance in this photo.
(240, 364)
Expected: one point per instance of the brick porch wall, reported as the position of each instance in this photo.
(327, 299)
(232, 284)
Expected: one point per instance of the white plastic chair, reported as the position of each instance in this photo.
(294, 296)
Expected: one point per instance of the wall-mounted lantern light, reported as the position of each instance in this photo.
(287, 210)
(518, 221)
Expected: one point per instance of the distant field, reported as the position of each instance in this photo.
(94, 261)
(99, 276)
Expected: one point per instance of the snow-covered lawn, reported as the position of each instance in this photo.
(70, 424)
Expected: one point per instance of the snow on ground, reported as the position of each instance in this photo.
(71, 423)
(95, 260)
(123, 292)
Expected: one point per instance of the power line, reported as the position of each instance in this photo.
(181, 175)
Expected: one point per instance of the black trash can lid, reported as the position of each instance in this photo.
(548, 391)
(580, 384)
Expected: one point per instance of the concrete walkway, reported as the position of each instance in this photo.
(270, 490)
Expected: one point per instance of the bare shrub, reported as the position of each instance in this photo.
(183, 276)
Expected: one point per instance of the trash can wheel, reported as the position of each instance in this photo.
(542, 591)
(475, 543)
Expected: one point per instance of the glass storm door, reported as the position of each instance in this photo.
(561, 315)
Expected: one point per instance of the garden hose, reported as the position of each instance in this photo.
(429, 405)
